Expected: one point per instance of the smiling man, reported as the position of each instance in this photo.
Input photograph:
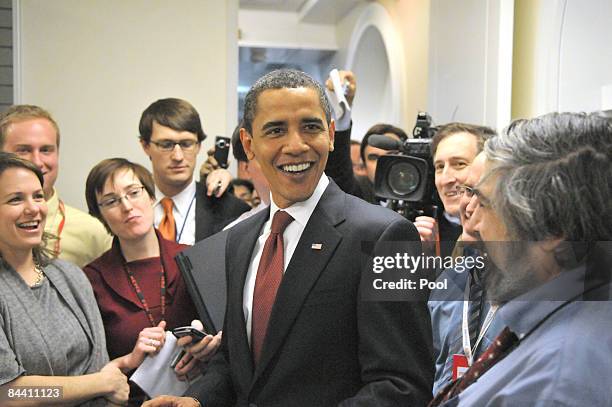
(455, 348)
(171, 134)
(31, 133)
(545, 202)
(297, 332)
(453, 148)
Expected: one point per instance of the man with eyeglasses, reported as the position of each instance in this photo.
(453, 148)
(464, 324)
(171, 135)
(30, 132)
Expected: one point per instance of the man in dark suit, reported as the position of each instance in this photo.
(320, 343)
(171, 134)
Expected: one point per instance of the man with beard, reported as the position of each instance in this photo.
(545, 204)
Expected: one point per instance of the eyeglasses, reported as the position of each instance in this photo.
(131, 195)
(464, 189)
(168, 145)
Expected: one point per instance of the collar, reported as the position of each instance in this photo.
(455, 220)
(262, 205)
(110, 267)
(524, 312)
(182, 200)
(301, 211)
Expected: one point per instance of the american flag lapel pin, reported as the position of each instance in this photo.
(316, 246)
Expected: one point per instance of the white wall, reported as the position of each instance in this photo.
(470, 61)
(97, 64)
(385, 44)
(585, 55)
(569, 55)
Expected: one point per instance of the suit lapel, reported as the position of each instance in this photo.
(303, 270)
(242, 240)
(203, 215)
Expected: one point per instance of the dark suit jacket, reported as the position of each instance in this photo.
(324, 346)
(212, 214)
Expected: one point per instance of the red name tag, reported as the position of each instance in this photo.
(460, 365)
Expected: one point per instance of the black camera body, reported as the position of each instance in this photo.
(222, 145)
(408, 176)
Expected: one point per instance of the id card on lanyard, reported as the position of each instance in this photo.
(462, 362)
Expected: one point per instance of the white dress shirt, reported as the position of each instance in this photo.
(300, 211)
(184, 209)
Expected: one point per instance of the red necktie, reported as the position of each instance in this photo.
(269, 276)
(500, 347)
(166, 226)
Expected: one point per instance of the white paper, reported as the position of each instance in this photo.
(337, 98)
(155, 376)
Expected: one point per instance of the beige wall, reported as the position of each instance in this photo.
(523, 58)
(97, 64)
(411, 20)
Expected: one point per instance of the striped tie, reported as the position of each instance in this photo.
(503, 344)
(474, 310)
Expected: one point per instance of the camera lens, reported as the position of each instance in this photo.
(404, 178)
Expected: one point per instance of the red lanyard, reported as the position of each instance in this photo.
(60, 228)
(139, 293)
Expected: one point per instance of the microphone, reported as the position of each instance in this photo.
(384, 142)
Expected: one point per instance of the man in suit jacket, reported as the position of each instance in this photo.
(324, 345)
(171, 134)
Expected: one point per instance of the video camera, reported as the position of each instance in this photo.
(407, 177)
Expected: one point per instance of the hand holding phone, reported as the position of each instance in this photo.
(196, 334)
(182, 331)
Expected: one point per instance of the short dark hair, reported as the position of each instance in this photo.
(108, 169)
(8, 161)
(176, 114)
(280, 79)
(243, 183)
(380, 128)
(237, 148)
(20, 113)
(482, 133)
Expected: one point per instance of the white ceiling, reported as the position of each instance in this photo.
(276, 5)
(309, 11)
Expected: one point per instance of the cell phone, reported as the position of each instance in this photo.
(222, 145)
(195, 334)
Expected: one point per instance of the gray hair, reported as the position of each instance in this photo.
(555, 177)
(279, 79)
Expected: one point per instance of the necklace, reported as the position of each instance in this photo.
(40, 276)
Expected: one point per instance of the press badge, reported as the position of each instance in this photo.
(460, 365)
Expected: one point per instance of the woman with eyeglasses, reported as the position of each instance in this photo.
(52, 345)
(138, 286)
